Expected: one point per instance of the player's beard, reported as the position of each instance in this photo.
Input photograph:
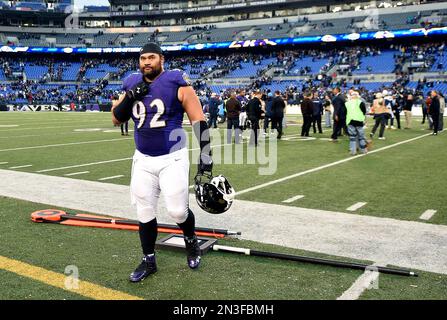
(153, 73)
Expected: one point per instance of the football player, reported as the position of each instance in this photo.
(156, 100)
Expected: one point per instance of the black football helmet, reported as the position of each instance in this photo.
(213, 194)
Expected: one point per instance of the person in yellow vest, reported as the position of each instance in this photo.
(355, 119)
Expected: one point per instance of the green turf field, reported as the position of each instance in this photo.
(106, 257)
(400, 182)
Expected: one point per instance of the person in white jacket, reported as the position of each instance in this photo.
(389, 102)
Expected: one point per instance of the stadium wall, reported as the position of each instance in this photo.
(254, 22)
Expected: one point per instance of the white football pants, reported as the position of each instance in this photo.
(242, 119)
(168, 174)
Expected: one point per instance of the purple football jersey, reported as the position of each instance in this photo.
(158, 117)
(243, 100)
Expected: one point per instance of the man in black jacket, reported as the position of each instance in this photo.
(233, 107)
(338, 102)
(434, 111)
(317, 113)
(254, 113)
(213, 110)
(307, 111)
(278, 107)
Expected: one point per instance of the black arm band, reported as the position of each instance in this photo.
(203, 136)
(123, 111)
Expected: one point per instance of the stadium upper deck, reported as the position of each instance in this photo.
(73, 29)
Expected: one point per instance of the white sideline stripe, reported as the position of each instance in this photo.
(83, 165)
(293, 198)
(356, 206)
(47, 134)
(24, 166)
(298, 174)
(360, 285)
(63, 144)
(427, 214)
(106, 161)
(76, 173)
(112, 177)
(3, 162)
(39, 128)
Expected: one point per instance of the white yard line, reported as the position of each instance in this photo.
(76, 173)
(290, 200)
(24, 166)
(367, 281)
(80, 126)
(356, 206)
(63, 144)
(106, 161)
(407, 244)
(39, 128)
(49, 134)
(3, 162)
(84, 165)
(332, 164)
(110, 178)
(427, 215)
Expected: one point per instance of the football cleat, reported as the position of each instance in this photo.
(192, 252)
(213, 194)
(146, 268)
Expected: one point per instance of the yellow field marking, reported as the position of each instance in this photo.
(85, 288)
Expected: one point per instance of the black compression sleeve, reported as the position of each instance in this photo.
(123, 111)
(188, 227)
(148, 236)
(203, 135)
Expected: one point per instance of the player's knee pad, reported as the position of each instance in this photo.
(179, 215)
(145, 214)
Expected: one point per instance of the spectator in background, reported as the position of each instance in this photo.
(243, 115)
(327, 111)
(317, 113)
(59, 104)
(441, 112)
(424, 111)
(390, 105)
(125, 128)
(233, 107)
(307, 111)
(254, 114)
(428, 101)
(380, 112)
(407, 111)
(268, 112)
(397, 108)
(355, 119)
(213, 110)
(278, 108)
(339, 117)
(435, 111)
